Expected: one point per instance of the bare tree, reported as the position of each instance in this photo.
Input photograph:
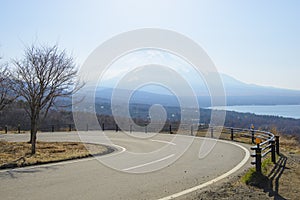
(7, 95)
(44, 74)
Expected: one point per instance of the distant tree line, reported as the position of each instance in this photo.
(61, 119)
(283, 125)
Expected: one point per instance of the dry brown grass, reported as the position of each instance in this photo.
(17, 154)
(289, 144)
(225, 135)
(13, 132)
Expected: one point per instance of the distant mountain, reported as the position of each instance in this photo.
(240, 93)
(237, 93)
(138, 97)
(234, 87)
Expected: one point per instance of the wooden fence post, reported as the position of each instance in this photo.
(252, 136)
(258, 159)
(273, 156)
(277, 145)
(130, 128)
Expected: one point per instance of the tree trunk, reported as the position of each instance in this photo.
(33, 132)
(33, 142)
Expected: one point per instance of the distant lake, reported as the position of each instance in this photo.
(292, 111)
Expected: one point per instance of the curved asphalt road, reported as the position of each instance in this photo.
(90, 179)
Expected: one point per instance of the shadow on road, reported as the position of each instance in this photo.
(16, 173)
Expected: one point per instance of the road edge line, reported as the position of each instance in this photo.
(233, 170)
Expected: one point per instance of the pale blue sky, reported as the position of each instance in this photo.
(253, 41)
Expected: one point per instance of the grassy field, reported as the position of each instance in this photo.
(17, 154)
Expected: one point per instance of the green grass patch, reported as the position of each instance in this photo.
(256, 179)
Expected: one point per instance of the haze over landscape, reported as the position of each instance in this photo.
(150, 99)
(256, 42)
(254, 45)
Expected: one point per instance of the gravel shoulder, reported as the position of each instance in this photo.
(283, 182)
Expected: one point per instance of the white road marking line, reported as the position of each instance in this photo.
(237, 167)
(123, 148)
(149, 163)
(65, 162)
(114, 154)
(162, 141)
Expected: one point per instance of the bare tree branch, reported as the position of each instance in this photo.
(7, 95)
(41, 77)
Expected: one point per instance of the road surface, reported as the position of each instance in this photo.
(91, 179)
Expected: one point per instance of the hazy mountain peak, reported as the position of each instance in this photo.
(236, 91)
